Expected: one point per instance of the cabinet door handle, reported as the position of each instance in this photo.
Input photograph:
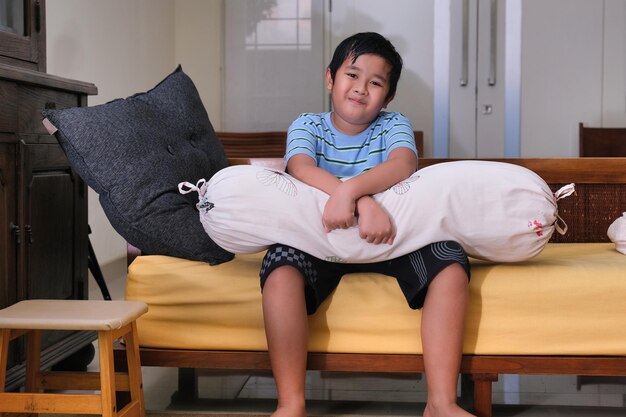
(15, 229)
(465, 45)
(493, 42)
(29, 234)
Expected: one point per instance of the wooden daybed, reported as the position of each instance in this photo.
(489, 350)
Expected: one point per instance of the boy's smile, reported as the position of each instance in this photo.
(359, 92)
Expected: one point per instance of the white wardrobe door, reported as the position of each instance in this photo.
(550, 56)
(482, 79)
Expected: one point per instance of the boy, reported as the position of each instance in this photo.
(376, 150)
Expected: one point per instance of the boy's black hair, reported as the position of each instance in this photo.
(368, 43)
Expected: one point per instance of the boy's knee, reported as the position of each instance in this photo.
(285, 274)
(453, 275)
(457, 270)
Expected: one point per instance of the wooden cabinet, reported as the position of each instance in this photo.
(43, 207)
(43, 203)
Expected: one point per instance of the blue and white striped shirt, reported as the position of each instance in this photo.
(344, 155)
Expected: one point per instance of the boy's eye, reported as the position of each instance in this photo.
(377, 84)
(351, 75)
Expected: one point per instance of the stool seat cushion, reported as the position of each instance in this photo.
(71, 314)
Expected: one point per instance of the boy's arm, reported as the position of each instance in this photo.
(375, 226)
(304, 168)
(400, 165)
(342, 204)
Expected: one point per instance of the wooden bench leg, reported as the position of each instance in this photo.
(482, 394)
(187, 390)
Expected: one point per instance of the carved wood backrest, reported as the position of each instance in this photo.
(253, 144)
(272, 144)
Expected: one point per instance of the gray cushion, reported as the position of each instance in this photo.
(133, 152)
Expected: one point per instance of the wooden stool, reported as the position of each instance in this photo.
(112, 320)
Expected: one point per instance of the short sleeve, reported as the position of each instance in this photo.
(301, 137)
(399, 132)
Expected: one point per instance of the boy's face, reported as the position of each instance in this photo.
(359, 92)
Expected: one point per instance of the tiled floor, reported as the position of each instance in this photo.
(334, 394)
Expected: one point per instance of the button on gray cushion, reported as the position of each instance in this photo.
(133, 152)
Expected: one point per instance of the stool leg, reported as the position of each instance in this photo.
(107, 374)
(134, 368)
(33, 361)
(5, 335)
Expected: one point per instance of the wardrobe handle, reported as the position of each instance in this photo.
(15, 229)
(29, 233)
(493, 42)
(464, 45)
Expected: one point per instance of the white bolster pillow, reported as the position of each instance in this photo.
(496, 211)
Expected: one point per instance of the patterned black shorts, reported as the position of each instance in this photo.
(413, 271)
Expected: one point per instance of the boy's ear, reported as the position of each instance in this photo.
(329, 80)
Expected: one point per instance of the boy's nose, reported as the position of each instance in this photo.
(360, 89)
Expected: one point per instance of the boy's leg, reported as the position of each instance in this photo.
(443, 322)
(286, 329)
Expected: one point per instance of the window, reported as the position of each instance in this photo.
(286, 25)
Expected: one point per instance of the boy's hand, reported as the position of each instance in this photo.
(339, 212)
(375, 225)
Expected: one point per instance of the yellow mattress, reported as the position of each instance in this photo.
(569, 300)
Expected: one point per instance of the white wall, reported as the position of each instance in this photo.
(198, 47)
(614, 76)
(125, 47)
